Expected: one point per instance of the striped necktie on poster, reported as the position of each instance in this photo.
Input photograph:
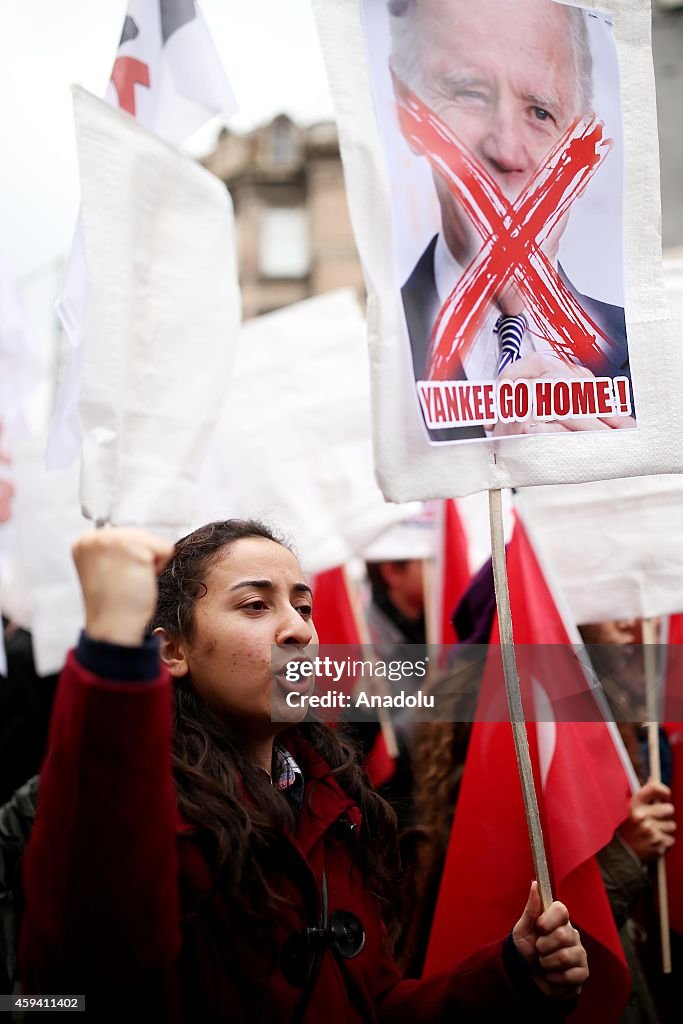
(510, 331)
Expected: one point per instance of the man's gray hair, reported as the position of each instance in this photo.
(405, 58)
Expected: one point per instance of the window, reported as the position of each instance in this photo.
(283, 244)
(283, 148)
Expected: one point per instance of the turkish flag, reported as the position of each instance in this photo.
(583, 789)
(674, 858)
(673, 704)
(453, 568)
(336, 622)
(333, 611)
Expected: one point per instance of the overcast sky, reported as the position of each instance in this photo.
(269, 50)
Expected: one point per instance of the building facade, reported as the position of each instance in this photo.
(294, 235)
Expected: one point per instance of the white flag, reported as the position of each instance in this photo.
(293, 443)
(162, 318)
(168, 76)
(21, 358)
(20, 371)
(40, 590)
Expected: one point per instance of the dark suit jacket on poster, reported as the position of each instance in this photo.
(421, 305)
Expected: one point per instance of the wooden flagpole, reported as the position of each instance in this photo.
(514, 697)
(430, 581)
(650, 659)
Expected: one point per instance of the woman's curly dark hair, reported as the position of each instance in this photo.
(244, 839)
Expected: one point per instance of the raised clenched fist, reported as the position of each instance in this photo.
(118, 570)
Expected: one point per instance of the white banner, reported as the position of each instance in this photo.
(293, 445)
(22, 361)
(41, 591)
(168, 76)
(614, 547)
(163, 314)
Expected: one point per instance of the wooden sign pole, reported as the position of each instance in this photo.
(431, 609)
(514, 697)
(650, 659)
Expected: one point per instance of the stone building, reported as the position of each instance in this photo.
(667, 47)
(294, 236)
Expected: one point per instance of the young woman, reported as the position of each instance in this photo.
(194, 860)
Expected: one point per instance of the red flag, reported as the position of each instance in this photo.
(379, 764)
(338, 621)
(672, 708)
(673, 704)
(674, 858)
(333, 611)
(453, 568)
(583, 790)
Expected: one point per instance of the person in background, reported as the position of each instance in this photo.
(395, 616)
(396, 612)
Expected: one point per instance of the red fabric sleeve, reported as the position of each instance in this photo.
(100, 873)
(477, 987)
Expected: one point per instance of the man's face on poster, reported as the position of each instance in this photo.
(504, 76)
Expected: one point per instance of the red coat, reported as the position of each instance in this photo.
(120, 899)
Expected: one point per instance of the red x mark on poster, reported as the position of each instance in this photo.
(512, 235)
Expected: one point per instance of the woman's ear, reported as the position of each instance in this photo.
(172, 651)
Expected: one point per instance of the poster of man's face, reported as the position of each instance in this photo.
(501, 124)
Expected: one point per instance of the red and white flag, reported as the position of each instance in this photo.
(674, 858)
(334, 612)
(338, 620)
(452, 569)
(584, 786)
(672, 708)
(169, 77)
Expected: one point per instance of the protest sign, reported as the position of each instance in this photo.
(502, 170)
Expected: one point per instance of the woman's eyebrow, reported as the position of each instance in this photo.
(258, 584)
(299, 588)
(302, 588)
